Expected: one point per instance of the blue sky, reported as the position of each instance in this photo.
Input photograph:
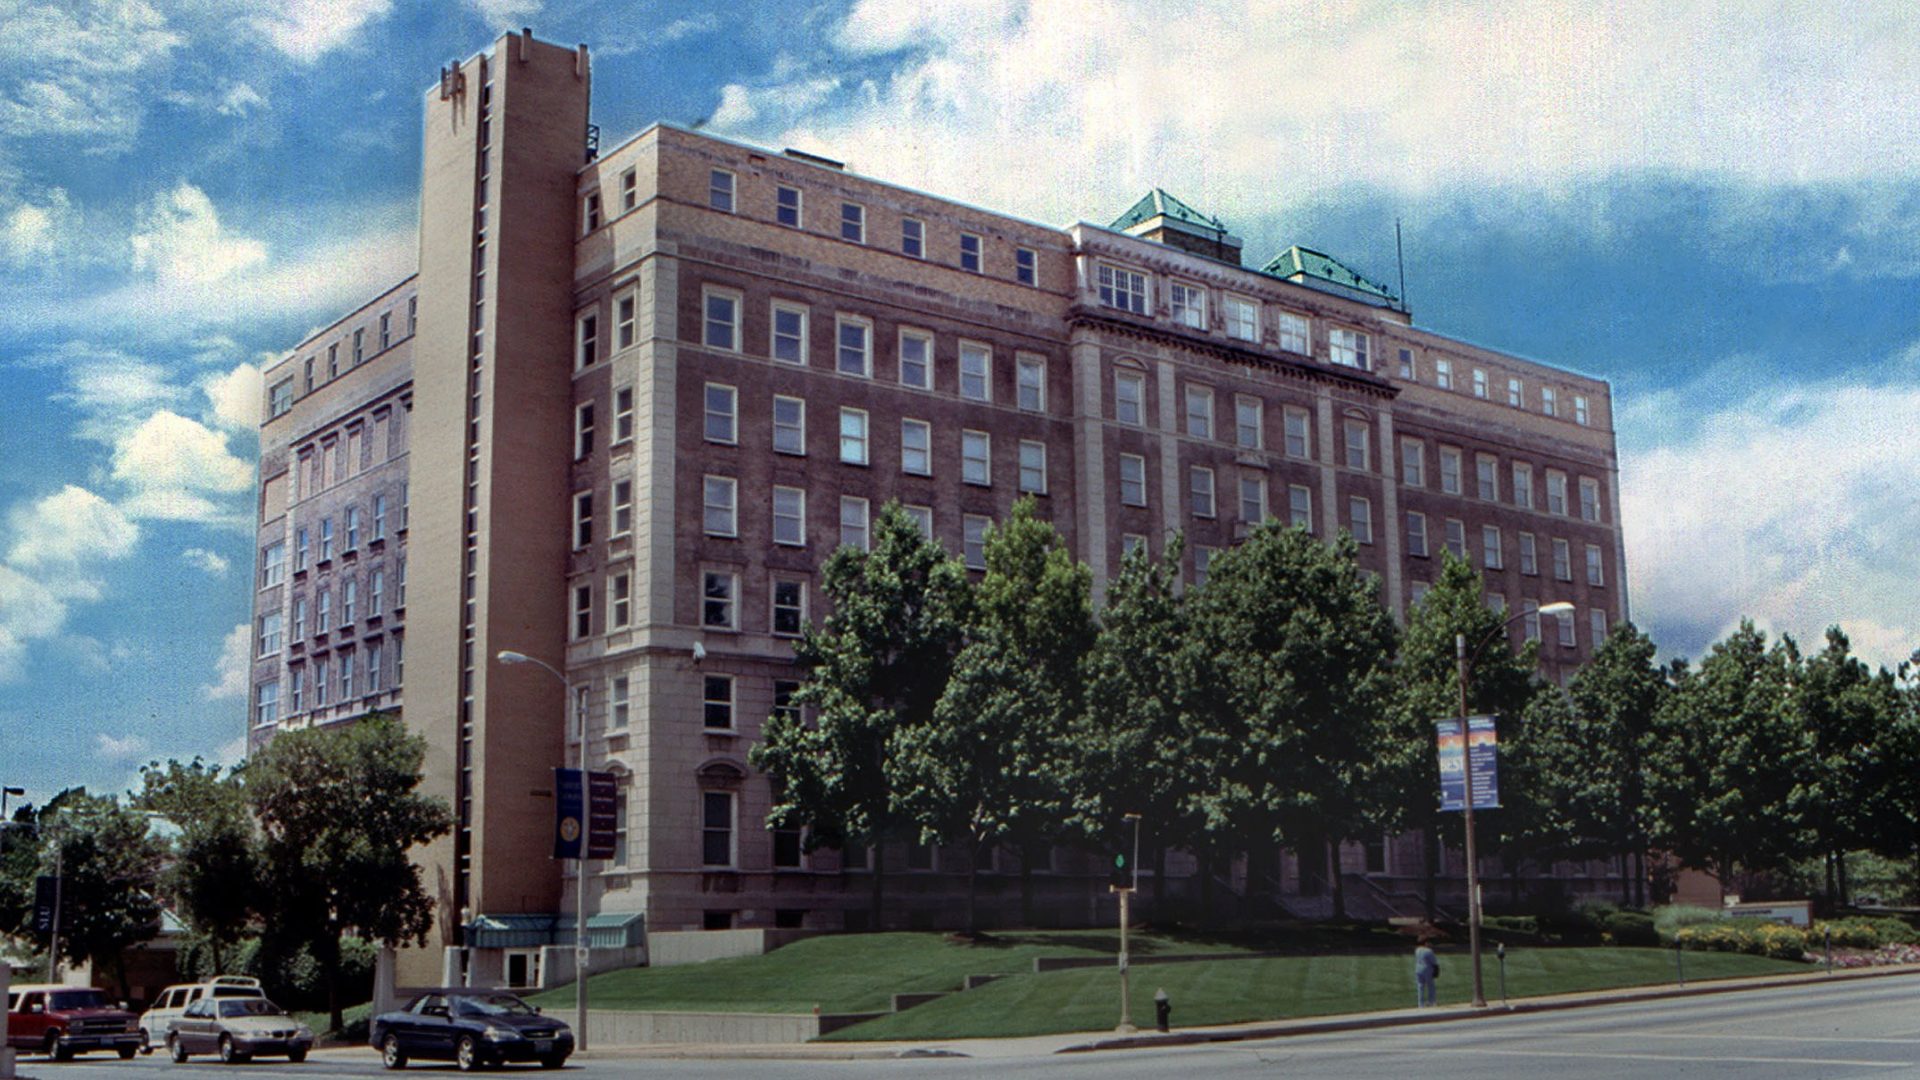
(1717, 210)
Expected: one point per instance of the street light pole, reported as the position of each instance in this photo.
(1126, 1026)
(509, 656)
(1466, 762)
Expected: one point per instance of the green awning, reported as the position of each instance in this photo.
(611, 930)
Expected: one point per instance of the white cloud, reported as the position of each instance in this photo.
(178, 468)
(501, 14)
(36, 232)
(60, 531)
(1790, 505)
(235, 397)
(118, 749)
(180, 240)
(208, 562)
(309, 29)
(229, 753)
(239, 100)
(80, 69)
(232, 669)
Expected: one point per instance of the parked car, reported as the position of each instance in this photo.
(62, 1021)
(173, 1001)
(237, 1028)
(472, 1028)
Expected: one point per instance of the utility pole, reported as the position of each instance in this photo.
(1126, 1026)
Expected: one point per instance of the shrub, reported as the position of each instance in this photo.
(1671, 919)
(1861, 932)
(1631, 928)
(1755, 936)
(1513, 924)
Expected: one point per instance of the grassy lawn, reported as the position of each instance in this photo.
(1291, 986)
(355, 1018)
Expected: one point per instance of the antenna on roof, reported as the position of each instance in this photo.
(1400, 256)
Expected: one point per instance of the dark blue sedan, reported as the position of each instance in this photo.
(471, 1028)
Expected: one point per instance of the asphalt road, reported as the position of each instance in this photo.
(1869, 1028)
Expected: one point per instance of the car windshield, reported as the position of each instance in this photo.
(492, 1005)
(250, 1007)
(79, 999)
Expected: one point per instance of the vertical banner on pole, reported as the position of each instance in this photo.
(1478, 751)
(602, 797)
(569, 817)
(46, 891)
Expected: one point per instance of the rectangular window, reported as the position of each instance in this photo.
(720, 190)
(1247, 422)
(1457, 537)
(722, 413)
(1479, 382)
(789, 425)
(789, 606)
(333, 360)
(590, 214)
(853, 522)
(1033, 467)
(719, 600)
(620, 600)
(1348, 348)
(1026, 266)
(298, 678)
(1406, 364)
(716, 828)
(586, 340)
(1516, 397)
(1299, 435)
(1131, 543)
(1243, 318)
(1450, 470)
(916, 359)
(1253, 499)
(1296, 333)
(1529, 555)
(1530, 619)
(976, 458)
(1360, 519)
(1417, 591)
(359, 345)
(386, 329)
(1129, 397)
(1589, 499)
(583, 430)
(786, 206)
(922, 518)
(380, 517)
(1200, 412)
(717, 702)
(622, 507)
(326, 539)
(854, 353)
(1486, 475)
(273, 564)
(1133, 480)
(1189, 305)
(1549, 404)
(582, 611)
(323, 611)
(916, 447)
(1443, 374)
(1202, 562)
(300, 550)
(720, 507)
(1413, 463)
(629, 189)
(789, 329)
(970, 252)
(266, 704)
(307, 380)
(1596, 574)
(272, 633)
(1123, 289)
(790, 516)
(376, 593)
(1562, 560)
(1556, 492)
(1200, 490)
(1523, 485)
(1580, 417)
(1491, 555)
(1300, 506)
(582, 519)
(349, 601)
(976, 372)
(853, 222)
(853, 436)
(299, 618)
(1030, 382)
(1416, 534)
(1565, 619)
(973, 541)
(721, 324)
(280, 400)
(913, 238)
(623, 415)
(1359, 446)
(1596, 627)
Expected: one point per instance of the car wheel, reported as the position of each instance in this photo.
(146, 1042)
(390, 1054)
(296, 1055)
(466, 1054)
(553, 1061)
(126, 1052)
(175, 1051)
(229, 1054)
(57, 1047)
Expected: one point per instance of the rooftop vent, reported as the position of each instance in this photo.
(815, 159)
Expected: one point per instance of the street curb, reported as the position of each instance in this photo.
(1458, 1013)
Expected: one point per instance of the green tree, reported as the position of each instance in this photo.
(1845, 706)
(338, 809)
(1292, 654)
(1732, 794)
(991, 767)
(1406, 792)
(212, 878)
(878, 664)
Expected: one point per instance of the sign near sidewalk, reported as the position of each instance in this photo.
(1479, 751)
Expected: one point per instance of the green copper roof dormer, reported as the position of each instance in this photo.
(1158, 203)
(1306, 266)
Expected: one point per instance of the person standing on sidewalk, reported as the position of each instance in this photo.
(1426, 969)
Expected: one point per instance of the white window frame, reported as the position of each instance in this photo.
(1297, 432)
(1596, 567)
(1030, 382)
(775, 337)
(1296, 333)
(273, 564)
(1443, 374)
(1413, 463)
(1480, 387)
(1124, 289)
(1580, 415)
(976, 458)
(1486, 477)
(1253, 499)
(1516, 393)
(1187, 304)
(922, 518)
(1523, 485)
(1556, 492)
(913, 238)
(1456, 539)
(789, 522)
(1452, 462)
(1201, 495)
(1358, 436)
(720, 423)
(1360, 518)
(856, 436)
(1529, 555)
(1589, 499)
(1562, 559)
(790, 435)
(1197, 415)
(863, 349)
(1243, 318)
(1300, 506)
(973, 540)
(922, 342)
(1130, 392)
(580, 624)
(916, 447)
(781, 206)
(719, 506)
(1549, 401)
(626, 309)
(1026, 266)
(1349, 348)
(726, 602)
(722, 188)
(728, 339)
(582, 519)
(1493, 555)
(622, 415)
(775, 607)
(582, 430)
(1137, 465)
(1249, 422)
(976, 371)
(622, 500)
(629, 189)
(972, 257)
(853, 222)
(1033, 467)
(619, 600)
(586, 339)
(855, 516)
(1417, 535)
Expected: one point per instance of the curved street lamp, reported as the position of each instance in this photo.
(1466, 660)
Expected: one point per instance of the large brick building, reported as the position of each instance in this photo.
(634, 397)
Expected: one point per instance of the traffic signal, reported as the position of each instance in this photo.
(1121, 876)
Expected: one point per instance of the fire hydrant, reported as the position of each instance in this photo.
(1162, 1008)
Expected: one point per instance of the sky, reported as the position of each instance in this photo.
(1716, 207)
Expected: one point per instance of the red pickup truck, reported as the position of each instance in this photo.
(61, 1021)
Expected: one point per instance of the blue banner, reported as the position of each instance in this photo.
(569, 813)
(1481, 753)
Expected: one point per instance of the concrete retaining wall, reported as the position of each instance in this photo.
(609, 1028)
(666, 948)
